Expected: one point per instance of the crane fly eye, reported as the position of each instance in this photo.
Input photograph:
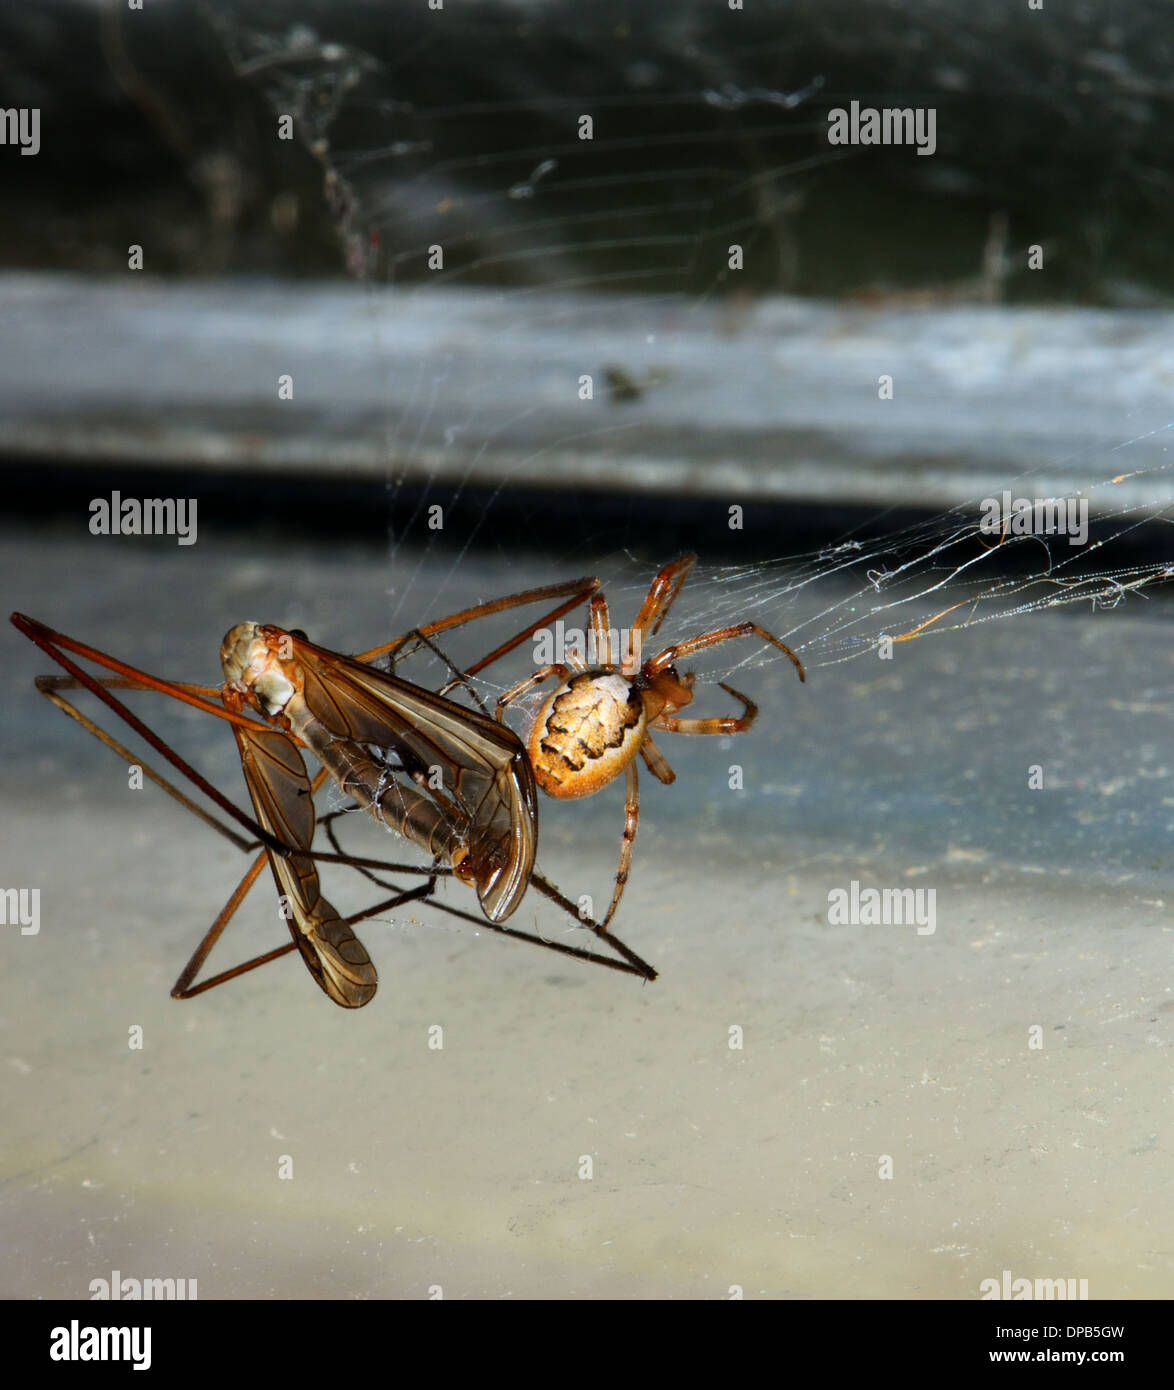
(299, 634)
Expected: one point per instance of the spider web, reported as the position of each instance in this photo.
(532, 215)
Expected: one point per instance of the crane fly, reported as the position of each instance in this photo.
(471, 797)
(453, 781)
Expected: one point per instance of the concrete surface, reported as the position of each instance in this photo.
(758, 1167)
(772, 400)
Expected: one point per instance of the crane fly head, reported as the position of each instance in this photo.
(257, 661)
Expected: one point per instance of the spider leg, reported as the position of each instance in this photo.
(713, 639)
(659, 599)
(631, 817)
(599, 650)
(544, 674)
(719, 724)
(655, 761)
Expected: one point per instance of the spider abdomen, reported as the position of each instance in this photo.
(585, 734)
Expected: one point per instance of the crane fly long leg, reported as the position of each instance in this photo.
(183, 987)
(578, 589)
(632, 964)
(51, 642)
(49, 686)
(639, 966)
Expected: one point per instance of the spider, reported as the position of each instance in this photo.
(591, 728)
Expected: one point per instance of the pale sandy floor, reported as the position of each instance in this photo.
(713, 1167)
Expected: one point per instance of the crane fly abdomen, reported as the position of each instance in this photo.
(585, 734)
(375, 788)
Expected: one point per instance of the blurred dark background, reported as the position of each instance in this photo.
(158, 126)
(416, 128)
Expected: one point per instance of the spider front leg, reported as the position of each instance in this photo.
(719, 724)
(660, 598)
(713, 639)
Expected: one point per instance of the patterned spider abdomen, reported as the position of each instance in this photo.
(585, 734)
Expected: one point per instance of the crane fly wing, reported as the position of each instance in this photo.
(280, 790)
(483, 763)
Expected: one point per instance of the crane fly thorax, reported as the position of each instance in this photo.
(586, 733)
(258, 665)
